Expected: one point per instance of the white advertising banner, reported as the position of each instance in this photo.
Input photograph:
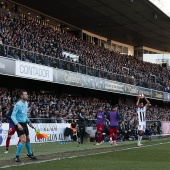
(4, 134)
(166, 127)
(54, 130)
(34, 71)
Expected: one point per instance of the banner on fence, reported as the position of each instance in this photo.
(54, 130)
(166, 127)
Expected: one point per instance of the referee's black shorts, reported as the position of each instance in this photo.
(24, 131)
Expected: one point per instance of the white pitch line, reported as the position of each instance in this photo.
(145, 146)
(91, 154)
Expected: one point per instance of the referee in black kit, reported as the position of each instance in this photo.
(81, 125)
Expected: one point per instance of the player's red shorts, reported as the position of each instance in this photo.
(100, 128)
(113, 130)
(11, 131)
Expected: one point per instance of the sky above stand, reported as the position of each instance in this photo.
(163, 5)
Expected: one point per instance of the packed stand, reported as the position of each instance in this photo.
(51, 108)
(54, 108)
(44, 45)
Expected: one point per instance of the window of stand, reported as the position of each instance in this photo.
(125, 50)
(119, 49)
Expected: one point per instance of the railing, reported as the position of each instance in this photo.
(28, 56)
(61, 120)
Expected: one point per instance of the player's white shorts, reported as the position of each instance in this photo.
(142, 126)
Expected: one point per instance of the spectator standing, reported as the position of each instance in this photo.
(167, 89)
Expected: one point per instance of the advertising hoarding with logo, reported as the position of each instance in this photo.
(34, 71)
(54, 130)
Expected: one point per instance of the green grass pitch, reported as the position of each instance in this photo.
(154, 155)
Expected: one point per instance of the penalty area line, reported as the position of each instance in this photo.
(91, 154)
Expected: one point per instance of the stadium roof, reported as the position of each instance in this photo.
(134, 22)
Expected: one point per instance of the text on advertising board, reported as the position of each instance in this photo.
(72, 79)
(34, 71)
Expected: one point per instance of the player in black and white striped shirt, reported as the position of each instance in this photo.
(141, 111)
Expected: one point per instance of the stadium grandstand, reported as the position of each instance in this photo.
(73, 54)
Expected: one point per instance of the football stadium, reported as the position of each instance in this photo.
(85, 84)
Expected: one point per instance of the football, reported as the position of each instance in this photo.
(141, 95)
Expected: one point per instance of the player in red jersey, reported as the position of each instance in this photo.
(11, 130)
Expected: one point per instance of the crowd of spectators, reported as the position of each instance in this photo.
(51, 108)
(9, 7)
(44, 45)
(57, 108)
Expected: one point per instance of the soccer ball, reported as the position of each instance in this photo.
(141, 95)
